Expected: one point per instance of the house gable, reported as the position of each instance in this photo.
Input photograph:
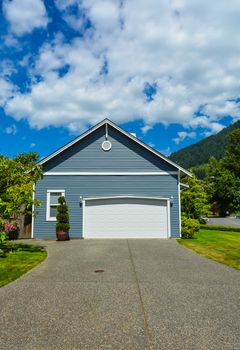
(87, 155)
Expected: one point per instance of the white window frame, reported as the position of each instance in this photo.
(61, 193)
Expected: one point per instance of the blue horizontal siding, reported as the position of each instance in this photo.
(96, 186)
(125, 155)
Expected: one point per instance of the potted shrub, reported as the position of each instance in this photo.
(62, 225)
(11, 230)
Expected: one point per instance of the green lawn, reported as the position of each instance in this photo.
(18, 262)
(221, 246)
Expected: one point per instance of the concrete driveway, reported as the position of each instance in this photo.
(154, 294)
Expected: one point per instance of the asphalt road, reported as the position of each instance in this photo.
(153, 294)
(228, 221)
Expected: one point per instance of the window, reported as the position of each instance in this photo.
(52, 203)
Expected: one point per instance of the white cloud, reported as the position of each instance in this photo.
(32, 145)
(182, 135)
(183, 48)
(214, 129)
(223, 108)
(151, 144)
(11, 41)
(206, 123)
(145, 129)
(7, 91)
(7, 68)
(166, 152)
(25, 15)
(63, 4)
(11, 130)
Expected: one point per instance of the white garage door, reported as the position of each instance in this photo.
(125, 218)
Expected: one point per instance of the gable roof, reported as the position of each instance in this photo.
(129, 135)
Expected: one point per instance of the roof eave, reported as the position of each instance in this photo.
(109, 122)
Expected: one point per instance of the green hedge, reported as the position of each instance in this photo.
(220, 228)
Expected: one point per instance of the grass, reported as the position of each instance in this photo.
(221, 246)
(20, 259)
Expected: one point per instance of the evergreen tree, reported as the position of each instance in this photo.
(62, 215)
(231, 158)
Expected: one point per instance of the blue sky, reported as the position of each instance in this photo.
(168, 72)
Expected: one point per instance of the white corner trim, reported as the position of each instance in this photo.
(168, 218)
(179, 204)
(48, 217)
(108, 122)
(33, 208)
(116, 173)
(83, 217)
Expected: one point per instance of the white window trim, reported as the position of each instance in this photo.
(61, 193)
(97, 173)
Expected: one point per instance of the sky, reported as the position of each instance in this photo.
(168, 70)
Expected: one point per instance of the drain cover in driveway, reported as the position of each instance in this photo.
(99, 270)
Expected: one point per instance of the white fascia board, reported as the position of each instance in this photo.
(107, 121)
(120, 173)
(127, 196)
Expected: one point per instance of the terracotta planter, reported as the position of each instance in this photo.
(62, 235)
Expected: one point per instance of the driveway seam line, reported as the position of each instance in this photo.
(146, 326)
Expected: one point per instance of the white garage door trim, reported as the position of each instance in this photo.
(84, 200)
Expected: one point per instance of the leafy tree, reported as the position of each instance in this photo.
(200, 171)
(17, 177)
(27, 159)
(223, 187)
(194, 201)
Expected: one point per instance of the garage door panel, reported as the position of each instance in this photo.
(125, 218)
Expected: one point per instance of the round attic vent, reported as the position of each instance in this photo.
(106, 145)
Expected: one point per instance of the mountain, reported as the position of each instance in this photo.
(200, 152)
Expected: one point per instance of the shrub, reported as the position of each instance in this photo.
(3, 237)
(189, 227)
(62, 215)
(2, 223)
